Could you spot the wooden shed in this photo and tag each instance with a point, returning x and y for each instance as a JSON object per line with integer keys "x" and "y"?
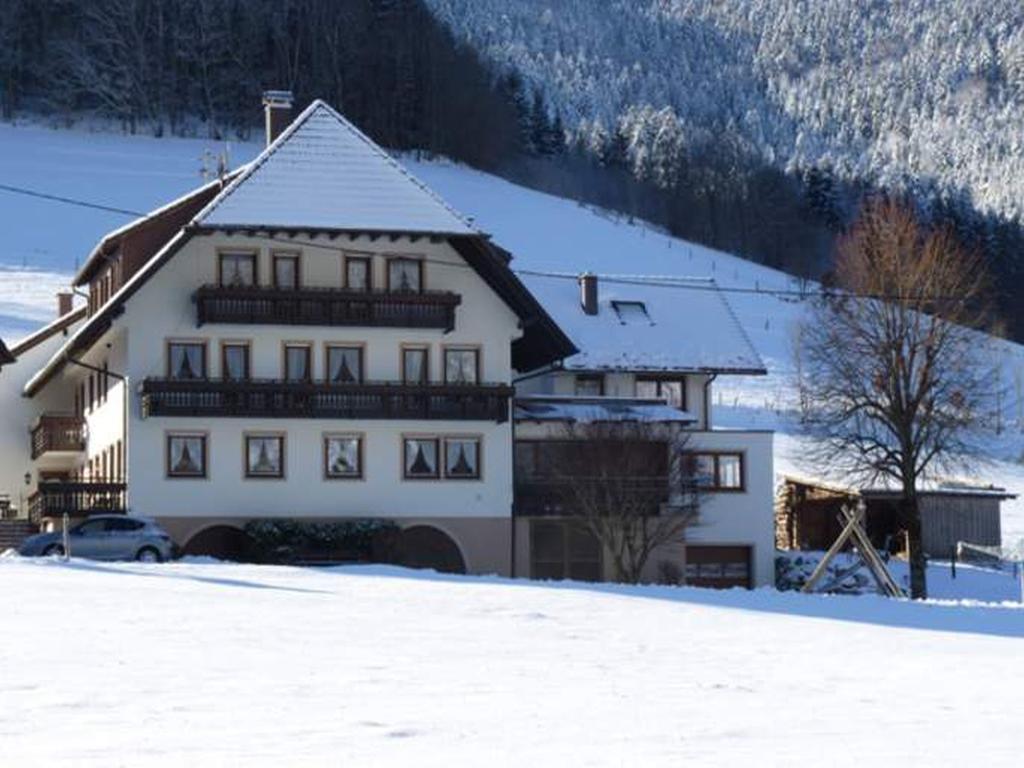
{"x": 806, "y": 515}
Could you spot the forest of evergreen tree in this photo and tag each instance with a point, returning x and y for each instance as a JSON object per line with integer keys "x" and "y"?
{"x": 198, "y": 67}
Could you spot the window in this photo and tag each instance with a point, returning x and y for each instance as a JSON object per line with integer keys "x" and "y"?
{"x": 632, "y": 312}
{"x": 91, "y": 528}
{"x": 235, "y": 361}
{"x": 344, "y": 364}
{"x": 186, "y": 455}
{"x": 672, "y": 391}
{"x": 186, "y": 360}
{"x": 237, "y": 270}
{"x": 462, "y": 458}
{"x": 405, "y": 275}
{"x": 716, "y": 471}
{"x": 298, "y": 362}
{"x": 357, "y": 273}
{"x": 286, "y": 271}
{"x": 462, "y": 366}
{"x": 124, "y": 525}
{"x": 560, "y": 550}
{"x": 420, "y": 458}
{"x": 264, "y": 456}
{"x": 589, "y": 384}
{"x": 343, "y": 457}
{"x": 415, "y": 368}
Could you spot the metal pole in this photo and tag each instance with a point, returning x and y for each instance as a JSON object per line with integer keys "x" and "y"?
{"x": 66, "y": 538}
{"x": 952, "y": 561}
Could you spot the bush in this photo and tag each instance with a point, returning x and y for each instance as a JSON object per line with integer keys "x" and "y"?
{"x": 285, "y": 540}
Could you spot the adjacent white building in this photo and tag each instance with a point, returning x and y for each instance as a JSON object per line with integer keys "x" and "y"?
{"x": 320, "y": 337}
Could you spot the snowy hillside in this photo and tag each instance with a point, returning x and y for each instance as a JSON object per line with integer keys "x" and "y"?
{"x": 921, "y": 94}
{"x": 216, "y": 664}
{"x": 545, "y": 233}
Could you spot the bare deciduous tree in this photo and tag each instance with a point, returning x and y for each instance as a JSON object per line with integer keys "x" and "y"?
{"x": 894, "y": 380}
{"x": 627, "y": 483}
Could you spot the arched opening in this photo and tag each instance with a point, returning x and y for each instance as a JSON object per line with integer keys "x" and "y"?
{"x": 224, "y": 542}
{"x": 424, "y": 546}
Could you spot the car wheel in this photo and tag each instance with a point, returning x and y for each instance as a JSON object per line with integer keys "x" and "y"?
{"x": 54, "y": 550}
{"x": 148, "y": 555}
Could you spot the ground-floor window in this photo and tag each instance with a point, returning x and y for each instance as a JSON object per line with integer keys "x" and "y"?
{"x": 264, "y": 456}
{"x": 186, "y": 455}
{"x": 561, "y": 549}
{"x": 718, "y": 566}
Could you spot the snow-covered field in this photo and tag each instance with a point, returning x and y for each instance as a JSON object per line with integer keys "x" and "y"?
{"x": 213, "y": 664}
{"x": 544, "y": 233}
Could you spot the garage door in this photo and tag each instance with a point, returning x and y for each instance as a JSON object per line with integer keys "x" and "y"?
{"x": 718, "y": 566}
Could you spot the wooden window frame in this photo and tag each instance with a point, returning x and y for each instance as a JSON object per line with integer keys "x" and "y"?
{"x": 368, "y": 260}
{"x": 403, "y": 348}
{"x": 659, "y": 379}
{"x": 204, "y": 436}
{"x": 716, "y": 455}
{"x": 436, "y": 439}
{"x": 360, "y": 437}
{"x": 252, "y": 252}
{"x": 204, "y": 343}
{"x": 295, "y": 256}
{"x": 358, "y": 345}
{"x": 476, "y": 349}
{"x": 247, "y": 345}
{"x": 479, "y": 440}
{"x": 587, "y": 376}
{"x": 388, "y": 260}
{"x": 285, "y": 345}
{"x": 280, "y": 436}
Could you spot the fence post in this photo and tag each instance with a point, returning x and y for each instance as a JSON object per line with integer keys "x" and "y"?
{"x": 952, "y": 560}
{"x": 65, "y": 538}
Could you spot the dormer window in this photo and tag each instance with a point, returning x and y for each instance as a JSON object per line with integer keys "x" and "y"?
{"x": 632, "y": 312}
{"x": 237, "y": 270}
{"x": 405, "y": 275}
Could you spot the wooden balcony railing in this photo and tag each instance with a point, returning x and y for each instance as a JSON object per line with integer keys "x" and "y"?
{"x": 326, "y": 306}
{"x": 323, "y": 400}
{"x": 76, "y": 499}
{"x": 58, "y": 433}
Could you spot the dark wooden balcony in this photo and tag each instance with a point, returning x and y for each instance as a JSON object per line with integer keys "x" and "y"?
{"x": 58, "y": 433}
{"x": 253, "y": 305}
{"x": 323, "y": 400}
{"x": 554, "y": 497}
{"x": 77, "y": 499}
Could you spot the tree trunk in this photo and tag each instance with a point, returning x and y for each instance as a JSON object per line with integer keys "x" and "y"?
{"x": 912, "y": 521}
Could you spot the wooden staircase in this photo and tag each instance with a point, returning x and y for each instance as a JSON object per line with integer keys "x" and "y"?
{"x": 13, "y": 532}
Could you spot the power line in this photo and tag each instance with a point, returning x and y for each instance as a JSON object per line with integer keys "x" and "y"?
{"x": 68, "y": 200}
{"x": 659, "y": 281}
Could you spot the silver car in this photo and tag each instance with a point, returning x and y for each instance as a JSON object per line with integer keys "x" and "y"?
{"x": 106, "y": 537}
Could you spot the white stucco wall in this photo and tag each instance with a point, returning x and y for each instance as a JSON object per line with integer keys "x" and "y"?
{"x": 18, "y": 414}
{"x": 741, "y": 517}
{"x": 163, "y": 310}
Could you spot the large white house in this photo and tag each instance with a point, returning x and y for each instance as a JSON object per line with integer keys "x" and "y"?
{"x": 318, "y": 336}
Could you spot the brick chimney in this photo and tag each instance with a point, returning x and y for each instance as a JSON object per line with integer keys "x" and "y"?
{"x": 64, "y": 302}
{"x": 588, "y": 292}
{"x": 277, "y": 106}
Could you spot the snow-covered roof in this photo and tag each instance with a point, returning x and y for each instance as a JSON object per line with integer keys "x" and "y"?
{"x": 323, "y": 173}
{"x": 938, "y": 486}
{"x": 585, "y": 410}
{"x": 685, "y": 324}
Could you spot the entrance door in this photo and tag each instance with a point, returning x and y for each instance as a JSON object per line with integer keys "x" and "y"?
{"x": 719, "y": 566}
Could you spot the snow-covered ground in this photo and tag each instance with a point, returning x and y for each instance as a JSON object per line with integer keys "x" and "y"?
{"x": 212, "y": 664}
{"x": 544, "y": 233}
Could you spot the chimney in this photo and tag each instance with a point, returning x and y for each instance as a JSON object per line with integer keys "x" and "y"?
{"x": 588, "y": 292}
{"x": 64, "y": 300}
{"x": 277, "y": 105}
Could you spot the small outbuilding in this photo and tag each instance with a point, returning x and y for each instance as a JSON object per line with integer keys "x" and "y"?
{"x": 807, "y": 515}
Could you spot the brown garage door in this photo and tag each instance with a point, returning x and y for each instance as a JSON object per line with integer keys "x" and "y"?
{"x": 711, "y": 566}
